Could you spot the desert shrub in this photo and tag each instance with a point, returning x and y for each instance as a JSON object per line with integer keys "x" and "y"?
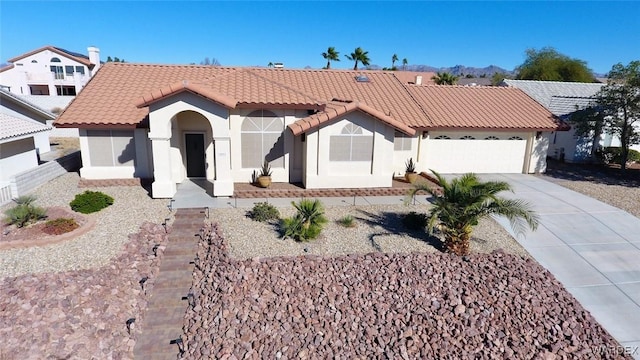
{"x": 414, "y": 220}
{"x": 307, "y": 223}
{"x": 60, "y": 226}
{"x": 90, "y": 201}
{"x": 24, "y": 212}
{"x": 613, "y": 155}
{"x": 263, "y": 211}
{"x": 347, "y": 221}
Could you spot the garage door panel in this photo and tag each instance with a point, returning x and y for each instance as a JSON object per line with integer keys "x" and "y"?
{"x": 479, "y": 156}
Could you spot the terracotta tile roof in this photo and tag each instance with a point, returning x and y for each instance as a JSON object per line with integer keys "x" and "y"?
{"x": 12, "y": 127}
{"x": 335, "y": 109}
{"x": 110, "y": 97}
{"x": 75, "y": 56}
{"x": 480, "y": 107}
{"x": 186, "y": 85}
{"x": 118, "y": 94}
{"x": 128, "y": 85}
{"x": 409, "y": 77}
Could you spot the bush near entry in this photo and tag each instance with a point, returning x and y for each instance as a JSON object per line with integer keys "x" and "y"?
{"x": 90, "y": 201}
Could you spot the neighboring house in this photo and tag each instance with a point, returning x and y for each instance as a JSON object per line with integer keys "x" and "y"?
{"x": 49, "y": 71}
{"x": 17, "y": 150}
{"x": 323, "y": 128}
{"x": 17, "y": 107}
{"x": 563, "y": 99}
{"x": 474, "y": 81}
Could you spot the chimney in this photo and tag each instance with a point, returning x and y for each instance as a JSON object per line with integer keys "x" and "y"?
{"x": 94, "y": 58}
{"x": 418, "y": 79}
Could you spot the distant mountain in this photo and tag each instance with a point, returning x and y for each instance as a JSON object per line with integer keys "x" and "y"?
{"x": 458, "y": 70}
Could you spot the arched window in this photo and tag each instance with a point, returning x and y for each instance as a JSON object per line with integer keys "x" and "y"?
{"x": 352, "y": 144}
{"x": 55, "y": 59}
{"x": 515, "y": 138}
{"x": 261, "y": 137}
{"x": 492, "y": 138}
{"x": 442, "y": 137}
{"x": 467, "y": 137}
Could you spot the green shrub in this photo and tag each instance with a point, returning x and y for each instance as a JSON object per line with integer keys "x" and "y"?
{"x": 90, "y": 201}
{"x": 613, "y": 155}
{"x": 347, "y": 221}
{"x": 60, "y": 226}
{"x": 263, "y": 211}
{"x": 307, "y": 223}
{"x": 24, "y": 212}
{"x": 415, "y": 221}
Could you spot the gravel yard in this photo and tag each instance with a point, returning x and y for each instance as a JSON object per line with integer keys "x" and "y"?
{"x": 378, "y": 228}
{"x": 131, "y": 208}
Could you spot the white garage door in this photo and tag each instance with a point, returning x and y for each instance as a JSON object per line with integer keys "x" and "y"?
{"x": 455, "y": 156}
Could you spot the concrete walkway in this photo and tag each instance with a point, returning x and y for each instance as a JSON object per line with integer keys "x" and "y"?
{"x": 591, "y": 247}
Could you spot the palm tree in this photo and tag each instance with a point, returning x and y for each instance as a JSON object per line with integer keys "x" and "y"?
{"x": 270, "y": 64}
{"x": 331, "y": 55}
{"x": 405, "y": 62}
{"x": 463, "y": 201}
{"x": 394, "y": 58}
{"x": 359, "y": 55}
{"x": 444, "y": 78}
{"x": 310, "y": 212}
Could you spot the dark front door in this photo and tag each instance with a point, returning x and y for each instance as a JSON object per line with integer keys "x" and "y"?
{"x": 194, "y": 143}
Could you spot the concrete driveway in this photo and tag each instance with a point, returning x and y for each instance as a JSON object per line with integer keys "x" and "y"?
{"x": 591, "y": 247}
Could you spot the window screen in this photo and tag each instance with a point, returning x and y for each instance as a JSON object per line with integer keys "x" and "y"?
{"x": 351, "y": 145}
{"x": 111, "y": 147}
{"x": 262, "y": 139}
{"x": 401, "y": 142}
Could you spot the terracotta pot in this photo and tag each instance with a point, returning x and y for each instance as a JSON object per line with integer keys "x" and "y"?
{"x": 411, "y": 177}
{"x": 264, "y": 181}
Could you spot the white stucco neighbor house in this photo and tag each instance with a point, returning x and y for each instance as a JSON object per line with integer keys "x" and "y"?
{"x": 321, "y": 128}
{"x": 563, "y": 99}
{"x": 49, "y": 71}
{"x": 16, "y": 107}
{"x": 17, "y": 150}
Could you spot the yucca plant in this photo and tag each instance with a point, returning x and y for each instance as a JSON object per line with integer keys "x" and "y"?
{"x": 465, "y": 200}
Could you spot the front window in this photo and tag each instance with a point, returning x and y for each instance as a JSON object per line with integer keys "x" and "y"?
{"x": 401, "y": 142}
{"x": 261, "y": 137}
{"x": 352, "y": 144}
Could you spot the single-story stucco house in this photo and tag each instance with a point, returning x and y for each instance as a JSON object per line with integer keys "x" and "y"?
{"x": 321, "y": 128}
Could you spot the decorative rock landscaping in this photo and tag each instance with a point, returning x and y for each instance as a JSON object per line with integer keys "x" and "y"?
{"x": 417, "y": 305}
{"x": 81, "y": 314}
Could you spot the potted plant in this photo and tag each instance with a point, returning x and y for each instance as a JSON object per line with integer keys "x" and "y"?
{"x": 410, "y": 171}
{"x": 264, "y": 177}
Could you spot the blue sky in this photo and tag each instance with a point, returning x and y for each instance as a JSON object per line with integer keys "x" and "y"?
{"x": 296, "y": 33}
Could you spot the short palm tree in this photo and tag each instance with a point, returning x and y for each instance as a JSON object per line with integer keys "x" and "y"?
{"x": 394, "y": 58}
{"x": 444, "y": 78}
{"x": 463, "y": 201}
{"x": 311, "y": 212}
{"x": 359, "y": 55}
{"x": 405, "y": 62}
{"x": 331, "y": 55}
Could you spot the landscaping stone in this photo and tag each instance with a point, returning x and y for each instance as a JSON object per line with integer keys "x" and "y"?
{"x": 418, "y": 305}
{"x": 81, "y": 314}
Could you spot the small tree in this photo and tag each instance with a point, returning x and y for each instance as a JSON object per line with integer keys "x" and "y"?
{"x": 464, "y": 201}
{"x": 547, "y": 64}
{"x": 620, "y": 103}
{"x": 405, "y": 62}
